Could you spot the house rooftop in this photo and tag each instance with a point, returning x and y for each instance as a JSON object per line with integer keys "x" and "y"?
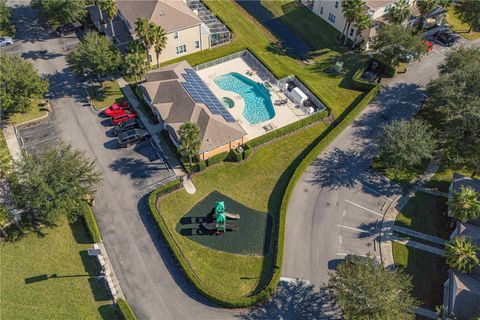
{"x": 171, "y": 15}
{"x": 466, "y": 304}
{"x": 165, "y": 87}
{"x": 375, "y": 4}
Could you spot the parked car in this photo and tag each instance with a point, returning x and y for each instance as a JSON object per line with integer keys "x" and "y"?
{"x": 116, "y": 108}
{"x": 5, "y": 41}
{"x": 129, "y": 137}
{"x": 127, "y": 115}
{"x": 69, "y": 28}
{"x": 125, "y": 126}
{"x": 447, "y": 37}
{"x": 429, "y": 44}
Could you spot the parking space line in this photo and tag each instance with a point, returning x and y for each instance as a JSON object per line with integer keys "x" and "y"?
{"x": 39, "y": 142}
{"x": 373, "y": 190}
{"x": 356, "y": 229}
{"x": 36, "y": 131}
{"x": 357, "y": 205}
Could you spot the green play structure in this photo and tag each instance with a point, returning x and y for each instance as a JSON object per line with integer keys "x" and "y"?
{"x": 221, "y": 224}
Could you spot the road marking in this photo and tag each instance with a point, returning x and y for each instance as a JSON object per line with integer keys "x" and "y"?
{"x": 356, "y": 229}
{"x": 36, "y": 131}
{"x": 344, "y": 213}
{"x": 291, "y": 280}
{"x": 36, "y": 143}
{"x": 373, "y": 190}
{"x": 374, "y": 212}
{"x": 340, "y": 239}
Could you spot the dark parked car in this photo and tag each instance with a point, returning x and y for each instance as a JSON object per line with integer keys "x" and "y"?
{"x": 69, "y": 28}
{"x": 125, "y": 126}
{"x": 446, "y": 37}
{"x": 129, "y": 137}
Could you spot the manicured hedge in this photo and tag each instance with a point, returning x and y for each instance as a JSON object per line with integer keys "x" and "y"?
{"x": 278, "y": 234}
{"x": 202, "y": 165}
{"x": 92, "y": 224}
{"x": 359, "y": 83}
{"x": 169, "y": 187}
{"x": 247, "y": 151}
{"x": 217, "y": 158}
{"x": 125, "y": 310}
{"x": 235, "y": 156}
{"x": 288, "y": 129}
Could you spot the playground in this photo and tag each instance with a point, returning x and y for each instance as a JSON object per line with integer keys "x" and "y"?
{"x": 223, "y": 224}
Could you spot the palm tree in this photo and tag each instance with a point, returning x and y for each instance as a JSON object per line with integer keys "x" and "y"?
{"x": 461, "y": 254}
{"x": 466, "y": 204}
{"x": 136, "y": 64}
{"x": 189, "y": 140}
{"x": 400, "y": 11}
{"x": 136, "y": 46}
{"x": 143, "y": 30}
{"x": 350, "y": 10}
{"x": 159, "y": 41}
{"x": 110, "y": 7}
{"x": 362, "y": 22}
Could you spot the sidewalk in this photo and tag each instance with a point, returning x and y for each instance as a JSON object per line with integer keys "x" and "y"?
{"x": 419, "y": 235}
{"x": 12, "y": 142}
{"x": 154, "y": 130}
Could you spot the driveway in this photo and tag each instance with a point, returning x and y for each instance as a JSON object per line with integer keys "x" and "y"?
{"x": 150, "y": 279}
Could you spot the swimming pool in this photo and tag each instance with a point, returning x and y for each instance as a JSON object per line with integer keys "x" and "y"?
{"x": 258, "y": 105}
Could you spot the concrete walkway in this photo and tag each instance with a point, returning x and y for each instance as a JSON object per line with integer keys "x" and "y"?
{"x": 419, "y": 235}
{"x": 418, "y": 245}
{"x": 12, "y": 142}
{"x": 154, "y": 129}
{"x": 435, "y": 192}
{"x": 189, "y": 187}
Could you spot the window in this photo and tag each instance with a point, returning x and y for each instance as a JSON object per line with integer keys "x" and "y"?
{"x": 175, "y": 35}
{"x": 351, "y": 32}
{"x": 336, "y": 4}
{"x": 321, "y": 10}
{"x": 331, "y": 17}
{"x": 197, "y": 44}
{"x": 181, "y": 49}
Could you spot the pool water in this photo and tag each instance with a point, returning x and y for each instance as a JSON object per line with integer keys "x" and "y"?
{"x": 258, "y": 105}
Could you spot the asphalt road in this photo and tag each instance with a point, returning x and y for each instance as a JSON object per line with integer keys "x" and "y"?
{"x": 151, "y": 281}
{"x": 337, "y": 205}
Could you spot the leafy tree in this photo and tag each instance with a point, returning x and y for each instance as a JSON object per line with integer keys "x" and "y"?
{"x": 406, "y": 144}
{"x": 425, "y": 6}
{"x": 363, "y": 289}
{"x": 460, "y": 59}
{"x": 55, "y": 182}
{"x": 362, "y": 23}
{"x": 159, "y": 41}
{"x": 394, "y": 44}
{"x": 21, "y": 84}
{"x": 136, "y": 64}
{"x": 466, "y": 204}
{"x": 400, "y": 11}
{"x": 350, "y": 10}
{"x": 95, "y": 55}
{"x": 60, "y": 12}
{"x": 468, "y": 11}
{"x": 110, "y": 7}
{"x": 4, "y": 15}
{"x": 189, "y": 140}
{"x": 461, "y": 254}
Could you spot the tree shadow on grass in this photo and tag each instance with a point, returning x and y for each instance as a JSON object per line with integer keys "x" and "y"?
{"x": 294, "y": 300}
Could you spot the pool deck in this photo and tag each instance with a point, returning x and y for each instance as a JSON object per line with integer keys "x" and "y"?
{"x": 284, "y": 114}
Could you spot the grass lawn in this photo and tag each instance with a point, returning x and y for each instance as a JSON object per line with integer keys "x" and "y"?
{"x": 459, "y": 27}
{"x": 333, "y": 90}
{"x": 425, "y": 213}
{"x": 259, "y": 184}
{"x": 106, "y": 96}
{"x": 428, "y": 272}
{"x": 36, "y": 112}
{"x": 402, "y": 177}
{"x": 73, "y": 294}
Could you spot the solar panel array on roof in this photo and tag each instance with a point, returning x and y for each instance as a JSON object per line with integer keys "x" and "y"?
{"x": 200, "y": 93}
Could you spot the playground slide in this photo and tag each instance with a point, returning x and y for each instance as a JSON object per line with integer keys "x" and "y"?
{"x": 233, "y": 216}
{"x": 213, "y": 226}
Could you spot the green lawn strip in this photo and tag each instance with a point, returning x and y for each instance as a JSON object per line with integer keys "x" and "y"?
{"x": 107, "y": 95}
{"x": 52, "y": 277}
{"x": 459, "y": 27}
{"x": 428, "y": 273}
{"x": 407, "y": 237}
{"x": 36, "y": 112}
{"x": 125, "y": 310}
{"x": 91, "y": 224}
{"x": 333, "y": 90}
{"x": 264, "y": 183}
{"x": 444, "y": 177}
{"x": 425, "y": 213}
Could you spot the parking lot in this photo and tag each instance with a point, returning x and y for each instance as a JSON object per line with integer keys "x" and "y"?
{"x": 37, "y": 135}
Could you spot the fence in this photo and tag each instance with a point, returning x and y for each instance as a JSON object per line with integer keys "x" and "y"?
{"x": 266, "y": 75}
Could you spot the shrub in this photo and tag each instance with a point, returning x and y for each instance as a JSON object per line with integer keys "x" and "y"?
{"x": 92, "y": 224}
{"x": 169, "y": 187}
{"x": 288, "y": 129}
{"x": 125, "y": 310}
{"x": 247, "y": 151}
{"x": 235, "y": 156}
{"x": 359, "y": 83}
{"x": 217, "y": 158}
{"x": 202, "y": 165}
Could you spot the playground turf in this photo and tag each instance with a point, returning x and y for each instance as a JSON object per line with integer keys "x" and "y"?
{"x": 252, "y": 234}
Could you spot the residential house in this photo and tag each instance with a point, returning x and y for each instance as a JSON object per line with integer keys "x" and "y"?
{"x": 176, "y": 94}
{"x": 189, "y": 28}
{"x": 461, "y": 297}
{"x": 331, "y": 11}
